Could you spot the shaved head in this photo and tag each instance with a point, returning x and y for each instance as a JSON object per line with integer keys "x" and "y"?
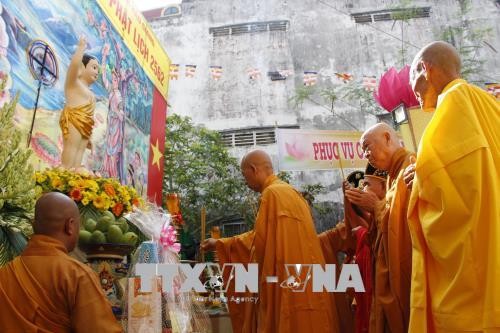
{"x": 258, "y": 157}
{"x": 379, "y": 129}
{"x": 434, "y": 66}
{"x": 379, "y": 144}
{"x": 256, "y": 166}
{"x": 57, "y": 216}
{"x": 441, "y": 55}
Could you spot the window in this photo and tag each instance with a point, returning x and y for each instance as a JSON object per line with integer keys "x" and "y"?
{"x": 391, "y": 14}
{"x": 171, "y": 10}
{"x": 252, "y": 27}
{"x": 249, "y": 137}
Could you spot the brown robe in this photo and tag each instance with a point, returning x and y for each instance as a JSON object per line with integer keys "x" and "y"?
{"x": 390, "y": 310}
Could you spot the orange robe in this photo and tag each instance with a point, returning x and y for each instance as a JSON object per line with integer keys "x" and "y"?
{"x": 332, "y": 242}
{"x": 284, "y": 233}
{"x": 45, "y": 290}
{"x": 390, "y": 311}
{"x": 455, "y": 216}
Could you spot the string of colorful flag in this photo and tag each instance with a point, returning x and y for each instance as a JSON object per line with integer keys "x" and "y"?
{"x": 310, "y": 78}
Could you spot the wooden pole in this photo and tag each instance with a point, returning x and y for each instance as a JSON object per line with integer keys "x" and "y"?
{"x": 203, "y": 230}
{"x": 340, "y": 164}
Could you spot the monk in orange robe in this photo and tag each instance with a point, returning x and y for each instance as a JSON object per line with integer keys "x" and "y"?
{"x": 454, "y": 210}
{"x": 333, "y": 242}
{"x": 373, "y": 181}
{"x": 392, "y": 248}
{"x": 44, "y": 289}
{"x": 340, "y": 240}
{"x": 284, "y": 233}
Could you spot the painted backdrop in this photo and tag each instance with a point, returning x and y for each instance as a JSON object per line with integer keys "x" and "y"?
{"x": 123, "y": 145}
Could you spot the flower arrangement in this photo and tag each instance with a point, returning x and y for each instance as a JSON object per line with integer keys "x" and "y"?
{"x": 88, "y": 190}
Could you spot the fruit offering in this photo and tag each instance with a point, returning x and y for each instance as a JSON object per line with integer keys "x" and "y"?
{"x": 107, "y": 229}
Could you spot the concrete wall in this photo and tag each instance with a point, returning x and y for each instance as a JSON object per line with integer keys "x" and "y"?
{"x": 321, "y": 36}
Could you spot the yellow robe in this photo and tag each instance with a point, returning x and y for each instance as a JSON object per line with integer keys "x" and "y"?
{"x": 45, "y": 290}
{"x": 390, "y": 309}
{"x": 454, "y": 216}
{"x": 82, "y": 117}
{"x": 284, "y": 233}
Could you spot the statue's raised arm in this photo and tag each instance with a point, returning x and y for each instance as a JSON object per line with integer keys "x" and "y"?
{"x": 77, "y": 117}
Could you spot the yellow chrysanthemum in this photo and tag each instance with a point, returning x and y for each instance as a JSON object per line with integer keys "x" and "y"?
{"x": 91, "y": 184}
{"x": 40, "y": 177}
{"x": 57, "y": 183}
{"x": 88, "y": 196}
{"x": 99, "y": 202}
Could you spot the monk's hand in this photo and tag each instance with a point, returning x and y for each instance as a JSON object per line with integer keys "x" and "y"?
{"x": 409, "y": 173}
{"x": 208, "y": 244}
{"x": 364, "y": 200}
{"x": 345, "y": 186}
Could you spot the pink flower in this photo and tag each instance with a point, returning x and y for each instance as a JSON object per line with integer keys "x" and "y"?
{"x": 168, "y": 239}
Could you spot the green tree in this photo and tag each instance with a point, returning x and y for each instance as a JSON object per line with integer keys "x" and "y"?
{"x": 467, "y": 37}
{"x": 329, "y": 95}
{"x": 355, "y": 95}
{"x": 16, "y": 186}
{"x": 201, "y": 170}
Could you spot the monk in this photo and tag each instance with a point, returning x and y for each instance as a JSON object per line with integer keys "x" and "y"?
{"x": 284, "y": 233}
{"x": 390, "y": 309}
{"x": 454, "y": 211}
{"x": 77, "y": 117}
{"x": 333, "y": 242}
{"x": 374, "y": 182}
{"x": 44, "y": 289}
{"x": 339, "y": 240}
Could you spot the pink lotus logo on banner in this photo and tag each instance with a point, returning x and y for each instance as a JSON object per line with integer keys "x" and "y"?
{"x": 295, "y": 151}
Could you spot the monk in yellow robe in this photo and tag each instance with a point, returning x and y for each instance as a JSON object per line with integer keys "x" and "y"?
{"x": 454, "y": 211}
{"x": 390, "y": 310}
{"x": 284, "y": 233}
{"x": 44, "y": 289}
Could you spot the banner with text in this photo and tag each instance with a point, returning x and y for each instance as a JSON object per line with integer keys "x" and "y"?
{"x": 301, "y": 150}
{"x": 140, "y": 39}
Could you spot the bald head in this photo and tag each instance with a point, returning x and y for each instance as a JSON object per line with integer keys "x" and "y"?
{"x": 57, "y": 216}
{"x": 434, "y": 66}
{"x": 256, "y": 166}
{"x": 441, "y": 55}
{"x": 380, "y": 142}
{"x": 258, "y": 157}
{"x": 380, "y": 129}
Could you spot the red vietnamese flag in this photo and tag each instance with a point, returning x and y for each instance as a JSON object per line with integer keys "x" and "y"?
{"x": 156, "y": 148}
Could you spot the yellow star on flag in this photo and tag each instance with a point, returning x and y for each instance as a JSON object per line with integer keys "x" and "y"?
{"x": 156, "y": 155}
